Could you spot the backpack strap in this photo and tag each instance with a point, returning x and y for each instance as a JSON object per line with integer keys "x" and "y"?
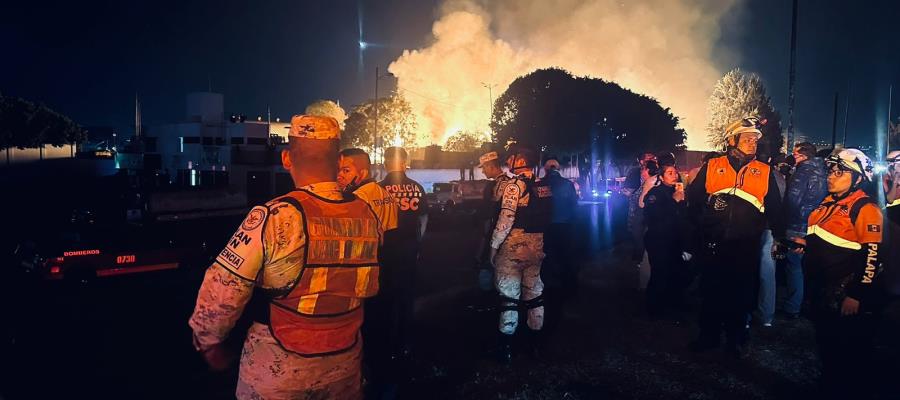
{"x": 855, "y": 209}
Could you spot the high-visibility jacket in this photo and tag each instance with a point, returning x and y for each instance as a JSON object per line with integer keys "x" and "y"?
{"x": 322, "y": 313}
{"x": 750, "y": 184}
{"x": 843, "y": 247}
{"x": 838, "y": 222}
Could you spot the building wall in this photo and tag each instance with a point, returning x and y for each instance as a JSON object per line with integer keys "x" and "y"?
{"x": 34, "y": 154}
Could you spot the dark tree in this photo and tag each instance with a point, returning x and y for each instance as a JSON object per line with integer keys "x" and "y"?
{"x": 24, "y": 124}
{"x": 567, "y": 115}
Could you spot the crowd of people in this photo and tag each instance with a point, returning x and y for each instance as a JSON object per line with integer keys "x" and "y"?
{"x": 736, "y": 217}
{"x": 303, "y": 265}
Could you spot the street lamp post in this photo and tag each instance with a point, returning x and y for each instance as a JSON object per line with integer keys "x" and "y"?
{"x": 378, "y": 77}
{"x": 490, "y": 88}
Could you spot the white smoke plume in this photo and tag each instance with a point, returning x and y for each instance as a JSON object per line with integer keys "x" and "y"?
{"x": 661, "y": 48}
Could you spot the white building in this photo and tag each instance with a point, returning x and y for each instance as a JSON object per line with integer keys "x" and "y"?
{"x": 210, "y": 149}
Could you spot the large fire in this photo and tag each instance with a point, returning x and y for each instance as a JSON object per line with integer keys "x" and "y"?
{"x": 662, "y": 48}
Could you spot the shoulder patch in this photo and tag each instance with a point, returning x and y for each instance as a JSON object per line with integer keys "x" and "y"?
{"x": 873, "y": 228}
{"x": 254, "y": 219}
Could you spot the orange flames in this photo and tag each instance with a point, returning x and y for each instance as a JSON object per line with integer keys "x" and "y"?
{"x": 662, "y": 48}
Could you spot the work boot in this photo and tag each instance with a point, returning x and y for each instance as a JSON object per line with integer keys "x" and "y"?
{"x": 504, "y": 349}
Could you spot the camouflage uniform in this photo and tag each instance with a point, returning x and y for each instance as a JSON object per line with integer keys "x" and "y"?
{"x": 518, "y": 261}
{"x": 267, "y": 252}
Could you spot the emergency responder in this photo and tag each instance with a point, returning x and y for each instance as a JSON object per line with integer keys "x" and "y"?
{"x": 487, "y": 215}
{"x": 842, "y": 265}
{"x": 307, "y": 301}
{"x": 355, "y": 176}
{"x": 517, "y": 248}
{"x": 730, "y": 201}
{"x": 401, "y": 248}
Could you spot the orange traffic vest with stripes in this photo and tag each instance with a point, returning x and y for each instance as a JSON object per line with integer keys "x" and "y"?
{"x": 750, "y": 184}
{"x": 833, "y": 223}
{"x": 322, "y": 314}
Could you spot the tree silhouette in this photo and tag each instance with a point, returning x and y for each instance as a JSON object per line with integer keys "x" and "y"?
{"x": 24, "y": 124}
{"x": 328, "y": 108}
{"x": 567, "y": 115}
{"x": 465, "y": 141}
{"x": 396, "y": 124}
{"x": 738, "y": 95}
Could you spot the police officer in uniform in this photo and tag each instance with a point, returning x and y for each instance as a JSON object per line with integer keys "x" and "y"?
{"x": 730, "y": 200}
{"x": 308, "y": 259}
{"x": 517, "y": 248}
{"x": 354, "y": 176}
{"x": 842, "y": 266}
{"x": 401, "y": 247}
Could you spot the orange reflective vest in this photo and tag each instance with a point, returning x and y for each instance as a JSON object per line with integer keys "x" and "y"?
{"x": 750, "y": 184}
{"x": 322, "y": 313}
{"x": 837, "y": 222}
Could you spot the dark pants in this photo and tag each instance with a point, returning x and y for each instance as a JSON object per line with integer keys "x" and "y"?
{"x": 387, "y": 329}
{"x": 729, "y": 285}
{"x": 558, "y": 266}
{"x": 845, "y": 349}
{"x": 667, "y": 273}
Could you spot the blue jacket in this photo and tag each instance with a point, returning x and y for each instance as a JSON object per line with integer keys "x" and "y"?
{"x": 805, "y": 190}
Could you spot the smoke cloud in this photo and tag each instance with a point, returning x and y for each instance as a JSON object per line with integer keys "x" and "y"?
{"x": 661, "y": 48}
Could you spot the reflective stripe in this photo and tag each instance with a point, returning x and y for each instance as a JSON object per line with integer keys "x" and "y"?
{"x": 745, "y": 196}
{"x": 894, "y": 203}
{"x": 832, "y": 238}
{"x": 362, "y": 281}
{"x": 307, "y": 304}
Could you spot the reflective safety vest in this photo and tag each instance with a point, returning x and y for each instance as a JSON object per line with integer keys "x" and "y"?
{"x": 750, "y": 184}
{"x": 835, "y": 221}
{"x": 322, "y": 313}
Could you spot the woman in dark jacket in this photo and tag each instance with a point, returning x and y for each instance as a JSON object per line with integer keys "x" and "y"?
{"x": 665, "y": 214}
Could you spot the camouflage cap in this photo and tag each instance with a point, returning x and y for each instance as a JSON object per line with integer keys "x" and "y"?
{"x": 314, "y": 127}
{"x": 486, "y": 157}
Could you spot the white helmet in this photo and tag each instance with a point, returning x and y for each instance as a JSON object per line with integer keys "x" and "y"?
{"x": 852, "y": 160}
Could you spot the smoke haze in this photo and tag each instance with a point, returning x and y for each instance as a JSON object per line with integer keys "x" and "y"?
{"x": 661, "y": 48}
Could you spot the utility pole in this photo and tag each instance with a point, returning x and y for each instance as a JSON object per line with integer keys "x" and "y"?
{"x": 846, "y": 114}
{"x": 792, "y": 76}
{"x": 834, "y": 121}
{"x": 376, "y": 116}
{"x": 490, "y": 88}
{"x": 887, "y": 143}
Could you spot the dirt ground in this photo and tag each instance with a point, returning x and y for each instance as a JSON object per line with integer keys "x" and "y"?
{"x": 128, "y": 337}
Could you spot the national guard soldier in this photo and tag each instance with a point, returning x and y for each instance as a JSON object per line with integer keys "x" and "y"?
{"x": 517, "y": 247}
{"x": 308, "y": 259}
{"x": 487, "y": 215}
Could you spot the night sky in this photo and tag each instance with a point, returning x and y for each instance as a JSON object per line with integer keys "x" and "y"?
{"x": 88, "y": 59}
